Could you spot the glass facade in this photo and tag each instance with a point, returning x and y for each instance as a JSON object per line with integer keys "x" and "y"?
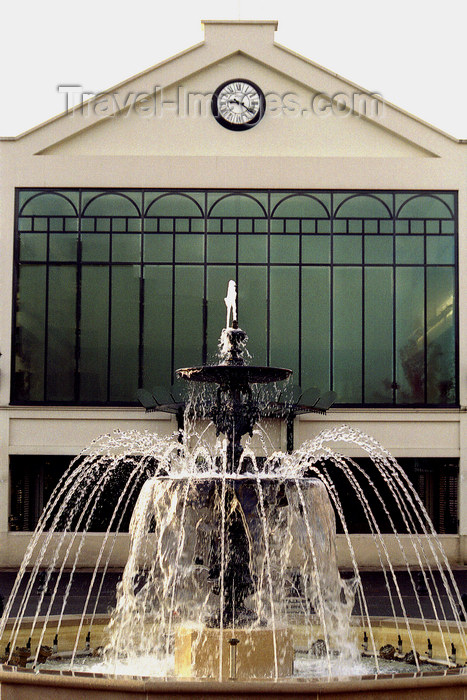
{"x": 354, "y": 291}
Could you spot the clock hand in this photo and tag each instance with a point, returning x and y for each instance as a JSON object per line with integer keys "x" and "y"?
{"x": 239, "y": 102}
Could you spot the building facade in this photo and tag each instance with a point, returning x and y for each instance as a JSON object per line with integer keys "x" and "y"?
{"x": 341, "y": 218}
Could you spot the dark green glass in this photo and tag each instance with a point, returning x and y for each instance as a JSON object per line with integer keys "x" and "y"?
{"x": 95, "y": 247}
{"x": 316, "y": 249}
{"x": 386, "y": 226}
{"x": 227, "y": 225}
{"x": 340, "y": 226}
{"x": 260, "y": 225}
{"x": 292, "y": 226}
{"x": 158, "y": 247}
{"x": 252, "y": 248}
{"x": 188, "y": 315}
{"x": 355, "y": 226}
{"x": 47, "y": 203}
{"x": 379, "y": 249}
{"x": 91, "y": 225}
{"x": 277, "y": 225}
{"x": 151, "y": 225}
{"x": 119, "y": 224}
{"x": 363, "y": 205}
{"x": 362, "y": 225}
{"x": 173, "y": 204}
{"x": 124, "y": 332}
{"x": 166, "y": 225}
{"x": 71, "y": 224}
{"x": 410, "y": 250}
{"x": 347, "y": 332}
{"x": 63, "y": 247}
{"x": 370, "y": 226}
{"x": 189, "y": 247}
{"x": 237, "y": 205}
{"x": 316, "y": 328}
{"x": 284, "y": 317}
{"x": 94, "y": 333}
{"x": 378, "y": 329}
{"x": 401, "y": 226}
{"x": 182, "y": 225}
{"x": 40, "y": 223}
{"x": 285, "y": 249}
{"x": 221, "y": 248}
{"x": 323, "y": 227}
{"x": 133, "y": 224}
{"x": 61, "y": 333}
{"x": 417, "y": 226}
{"x": 30, "y": 323}
{"x": 425, "y": 206}
{"x": 309, "y": 225}
{"x": 410, "y": 335}
{"x": 447, "y": 227}
{"x": 25, "y": 223}
{"x": 197, "y": 225}
{"x": 433, "y": 226}
{"x": 441, "y": 335}
{"x": 33, "y": 246}
{"x": 126, "y": 247}
{"x": 56, "y": 223}
{"x": 245, "y": 226}
{"x": 103, "y": 223}
{"x": 111, "y": 203}
{"x": 157, "y": 328}
{"x": 253, "y": 309}
{"x": 347, "y": 249}
{"x": 300, "y": 205}
{"x": 440, "y": 250}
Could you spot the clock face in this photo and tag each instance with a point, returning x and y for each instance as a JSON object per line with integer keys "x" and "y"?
{"x": 238, "y": 104}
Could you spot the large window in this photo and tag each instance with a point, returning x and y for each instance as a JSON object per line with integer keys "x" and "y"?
{"x": 354, "y": 291}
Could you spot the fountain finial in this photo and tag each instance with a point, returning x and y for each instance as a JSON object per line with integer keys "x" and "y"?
{"x": 231, "y": 304}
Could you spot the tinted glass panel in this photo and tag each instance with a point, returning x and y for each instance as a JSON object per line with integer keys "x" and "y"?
{"x": 157, "y": 362}
{"x": 284, "y": 317}
{"x": 124, "y": 332}
{"x": 347, "y": 307}
{"x": 253, "y": 309}
{"x": 94, "y": 341}
{"x": 188, "y": 315}
{"x": 378, "y": 314}
{"x": 315, "y": 324}
{"x": 441, "y": 368}
{"x": 410, "y": 334}
{"x": 30, "y": 321}
{"x": 61, "y": 333}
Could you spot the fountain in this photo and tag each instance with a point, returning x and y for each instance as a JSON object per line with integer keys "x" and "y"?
{"x": 232, "y": 571}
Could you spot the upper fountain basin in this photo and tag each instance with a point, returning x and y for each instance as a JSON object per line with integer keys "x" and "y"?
{"x": 239, "y": 375}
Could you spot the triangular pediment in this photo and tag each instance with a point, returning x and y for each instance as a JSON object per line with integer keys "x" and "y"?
{"x": 166, "y": 111}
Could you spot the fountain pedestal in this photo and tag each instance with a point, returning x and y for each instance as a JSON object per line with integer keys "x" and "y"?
{"x": 197, "y": 653}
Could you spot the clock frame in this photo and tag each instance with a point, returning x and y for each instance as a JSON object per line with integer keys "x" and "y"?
{"x": 238, "y": 104}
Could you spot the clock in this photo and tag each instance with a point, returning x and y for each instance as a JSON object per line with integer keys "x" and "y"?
{"x": 238, "y": 104}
